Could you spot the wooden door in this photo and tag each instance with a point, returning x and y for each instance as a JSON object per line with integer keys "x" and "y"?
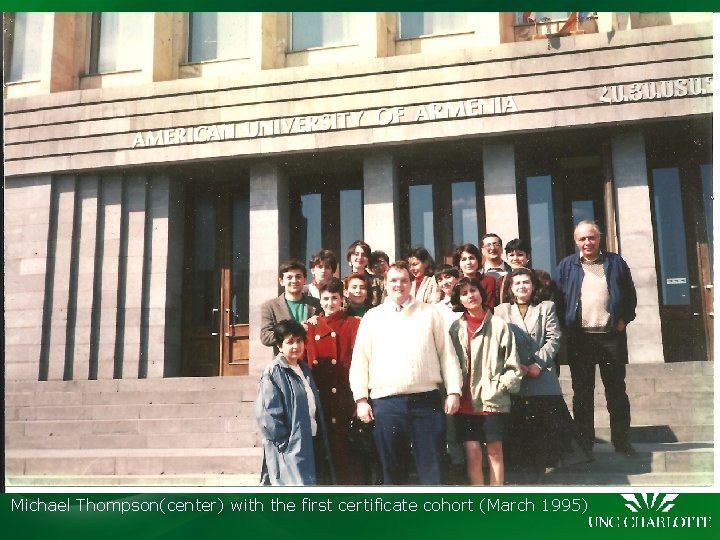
{"x": 215, "y": 290}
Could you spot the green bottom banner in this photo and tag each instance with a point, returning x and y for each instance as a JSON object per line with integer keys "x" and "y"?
{"x": 361, "y": 515}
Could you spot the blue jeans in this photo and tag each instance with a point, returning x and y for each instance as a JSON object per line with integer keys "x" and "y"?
{"x": 408, "y": 421}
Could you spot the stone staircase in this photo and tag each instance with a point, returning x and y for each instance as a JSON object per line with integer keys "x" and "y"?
{"x": 201, "y": 432}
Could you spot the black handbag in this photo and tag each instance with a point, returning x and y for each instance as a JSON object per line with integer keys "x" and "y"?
{"x": 360, "y": 436}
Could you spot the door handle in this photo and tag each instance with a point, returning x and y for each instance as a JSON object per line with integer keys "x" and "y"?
{"x": 709, "y": 286}
{"x": 696, "y": 314}
{"x": 214, "y": 322}
{"x": 694, "y": 286}
{"x": 711, "y": 314}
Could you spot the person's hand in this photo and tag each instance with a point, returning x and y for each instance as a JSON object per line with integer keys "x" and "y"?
{"x": 523, "y": 369}
{"x": 620, "y": 326}
{"x": 533, "y": 371}
{"x": 312, "y": 320}
{"x": 452, "y": 403}
{"x": 364, "y": 411}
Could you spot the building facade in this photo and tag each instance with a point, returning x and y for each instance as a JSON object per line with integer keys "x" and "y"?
{"x": 159, "y": 166}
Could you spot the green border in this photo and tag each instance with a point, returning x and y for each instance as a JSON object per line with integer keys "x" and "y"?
{"x": 327, "y": 5}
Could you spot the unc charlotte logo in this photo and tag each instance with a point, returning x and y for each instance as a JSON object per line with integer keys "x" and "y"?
{"x": 649, "y": 510}
{"x": 643, "y": 502}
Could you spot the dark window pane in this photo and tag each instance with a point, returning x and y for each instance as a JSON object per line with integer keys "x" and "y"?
{"x": 542, "y": 217}
{"x": 670, "y": 234}
{"x": 240, "y": 286}
{"x": 351, "y": 222}
{"x": 422, "y": 232}
{"x": 464, "y": 213}
{"x": 706, "y": 172}
{"x": 203, "y": 278}
{"x": 311, "y": 235}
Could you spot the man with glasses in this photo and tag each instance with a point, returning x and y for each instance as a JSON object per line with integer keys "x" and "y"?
{"x": 492, "y": 250}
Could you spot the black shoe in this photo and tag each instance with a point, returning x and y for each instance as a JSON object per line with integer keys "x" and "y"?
{"x": 626, "y": 448}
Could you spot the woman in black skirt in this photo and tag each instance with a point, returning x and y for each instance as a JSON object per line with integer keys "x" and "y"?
{"x": 542, "y": 433}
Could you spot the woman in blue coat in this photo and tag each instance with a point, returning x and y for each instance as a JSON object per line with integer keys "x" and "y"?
{"x": 287, "y": 409}
{"x": 542, "y": 433}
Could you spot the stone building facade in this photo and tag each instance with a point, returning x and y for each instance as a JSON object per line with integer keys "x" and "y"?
{"x": 151, "y": 188}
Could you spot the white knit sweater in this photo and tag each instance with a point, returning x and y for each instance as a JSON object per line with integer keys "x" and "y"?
{"x": 403, "y": 353}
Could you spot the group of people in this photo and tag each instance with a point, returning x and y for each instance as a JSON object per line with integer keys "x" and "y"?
{"x": 433, "y": 360}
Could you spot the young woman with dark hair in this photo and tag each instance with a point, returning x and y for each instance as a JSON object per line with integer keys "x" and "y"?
{"x": 542, "y": 433}
{"x": 486, "y": 349}
{"x": 422, "y": 267}
{"x": 469, "y": 260}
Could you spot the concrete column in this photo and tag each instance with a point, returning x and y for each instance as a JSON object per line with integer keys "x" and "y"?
{"x": 269, "y": 245}
{"x": 156, "y": 275}
{"x": 135, "y": 209}
{"x": 111, "y": 213}
{"x": 26, "y": 228}
{"x": 501, "y": 214}
{"x": 60, "y": 290}
{"x": 635, "y": 232}
{"x": 62, "y": 70}
{"x": 381, "y": 195}
{"x": 82, "y": 316}
{"x": 372, "y": 34}
{"x": 163, "y": 66}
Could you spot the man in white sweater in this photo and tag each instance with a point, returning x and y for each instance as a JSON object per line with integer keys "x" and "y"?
{"x": 402, "y": 358}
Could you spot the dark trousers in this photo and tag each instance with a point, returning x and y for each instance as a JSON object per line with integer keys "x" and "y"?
{"x": 609, "y": 351}
{"x": 408, "y": 421}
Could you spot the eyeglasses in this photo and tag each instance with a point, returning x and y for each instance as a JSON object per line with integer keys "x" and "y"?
{"x": 492, "y": 244}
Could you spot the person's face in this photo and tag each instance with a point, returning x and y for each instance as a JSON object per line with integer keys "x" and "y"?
{"x": 330, "y": 303}
{"x": 522, "y": 288}
{"x": 468, "y": 264}
{"x": 293, "y": 281}
{"x": 417, "y": 267}
{"x": 587, "y": 240}
{"x": 356, "y": 291}
{"x": 397, "y": 284}
{"x": 358, "y": 259}
{"x": 517, "y": 259}
{"x": 470, "y": 298}
{"x": 292, "y": 348}
{"x": 446, "y": 284}
{"x": 492, "y": 248}
{"x": 321, "y": 273}
{"x": 380, "y": 268}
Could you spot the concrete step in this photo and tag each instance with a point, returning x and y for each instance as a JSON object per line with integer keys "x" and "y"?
{"x": 669, "y": 383}
{"x": 654, "y": 464}
{"x": 164, "y": 461}
{"x": 663, "y": 433}
{"x": 124, "y": 412}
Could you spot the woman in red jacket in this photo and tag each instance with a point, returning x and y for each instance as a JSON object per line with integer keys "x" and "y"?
{"x": 330, "y": 343}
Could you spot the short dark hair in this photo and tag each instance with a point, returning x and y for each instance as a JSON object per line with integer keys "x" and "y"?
{"x": 292, "y": 264}
{"x": 446, "y": 270}
{"x": 536, "y": 296}
{"x": 490, "y": 235}
{"x": 364, "y": 245}
{"x": 375, "y": 257}
{"x": 455, "y": 296}
{"x": 423, "y": 255}
{"x": 332, "y": 285}
{"x": 358, "y": 275}
{"x": 288, "y": 327}
{"x": 516, "y": 244}
{"x": 324, "y": 256}
{"x": 470, "y": 248}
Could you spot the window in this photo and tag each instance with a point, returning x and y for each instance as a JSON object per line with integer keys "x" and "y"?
{"x": 27, "y": 31}
{"x": 117, "y": 41}
{"x": 330, "y": 219}
{"x": 532, "y": 17}
{"x": 419, "y": 23}
{"x": 442, "y": 210}
{"x": 541, "y": 216}
{"x": 321, "y": 29}
{"x": 217, "y": 36}
{"x": 670, "y": 237}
